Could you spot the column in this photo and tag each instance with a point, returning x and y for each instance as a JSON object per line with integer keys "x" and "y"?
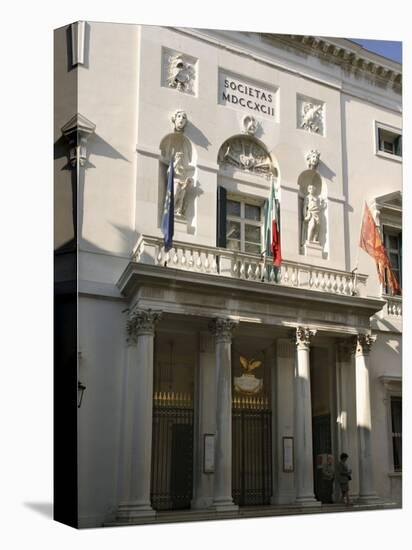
{"x": 303, "y": 420}
{"x": 205, "y": 421}
{"x": 138, "y": 416}
{"x": 282, "y": 420}
{"x": 346, "y": 414}
{"x": 363, "y": 417}
{"x": 222, "y": 330}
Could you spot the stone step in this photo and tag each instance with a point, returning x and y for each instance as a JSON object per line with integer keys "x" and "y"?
{"x": 173, "y": 516}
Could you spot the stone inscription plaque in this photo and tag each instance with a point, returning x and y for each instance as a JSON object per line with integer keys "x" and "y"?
{"x": 248, "y": 95}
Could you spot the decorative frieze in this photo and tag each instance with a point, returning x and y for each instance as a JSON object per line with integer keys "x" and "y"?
{"x": 304, "y": 336}
{"x": 179, "y": 71}
{"x": 141, "y": 321}
{"x": 222, "y": 328}
{"x": 363, "y": 343}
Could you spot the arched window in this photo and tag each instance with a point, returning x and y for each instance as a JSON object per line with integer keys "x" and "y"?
{"x": 246, "y": 170}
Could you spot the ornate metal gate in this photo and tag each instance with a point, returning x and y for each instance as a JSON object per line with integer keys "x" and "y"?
{"x": 252, "y": 451}
{"x": 172, "y": 455}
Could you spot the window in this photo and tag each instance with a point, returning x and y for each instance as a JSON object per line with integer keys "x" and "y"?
{"x": 243, "y": 226}
{"x": 388, "y": 141}
{"x": 396, "y": 427}
{"x": 392, "y": 238}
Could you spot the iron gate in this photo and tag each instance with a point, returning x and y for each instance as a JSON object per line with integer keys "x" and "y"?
{"x": 252, "y": 451}
{"x": 172, "y": 455}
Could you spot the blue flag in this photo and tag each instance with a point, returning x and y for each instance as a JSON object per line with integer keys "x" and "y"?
{"x": 168, "y": 209}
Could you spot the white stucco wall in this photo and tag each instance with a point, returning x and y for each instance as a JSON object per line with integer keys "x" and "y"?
{"x": 101, "y": 327}
{"x": 120, "y": 92}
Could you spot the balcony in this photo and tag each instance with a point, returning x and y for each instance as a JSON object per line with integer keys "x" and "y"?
{"x": 220, "y": 262}
{"x": 393, "y": 306}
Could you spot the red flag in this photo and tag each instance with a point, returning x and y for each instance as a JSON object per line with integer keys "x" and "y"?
{"x": 371, "y": 242}
{"x": 275, "y": 248}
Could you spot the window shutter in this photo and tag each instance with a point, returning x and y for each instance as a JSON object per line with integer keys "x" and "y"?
{"x": 221, "y": 217}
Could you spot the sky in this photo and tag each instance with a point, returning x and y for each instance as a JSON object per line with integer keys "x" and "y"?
{"x": 387, "y": 48}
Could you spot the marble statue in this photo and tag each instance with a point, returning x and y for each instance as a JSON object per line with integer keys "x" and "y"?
{"x": 182, "y": 184}
{"x": 311, "y": 216}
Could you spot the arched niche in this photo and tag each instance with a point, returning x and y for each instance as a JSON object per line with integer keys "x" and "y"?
{"x": 320, "y": 247}
{"x": 177, "y": 146}
{"x": 248, "y": 155}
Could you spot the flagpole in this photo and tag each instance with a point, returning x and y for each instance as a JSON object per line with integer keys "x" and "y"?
{"x": 355, "y": 269}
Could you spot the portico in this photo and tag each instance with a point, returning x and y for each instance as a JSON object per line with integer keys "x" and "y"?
{"x": 218, "y": 319}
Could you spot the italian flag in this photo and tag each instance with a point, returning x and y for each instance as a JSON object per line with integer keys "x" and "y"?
{"x": 272, "y": 228}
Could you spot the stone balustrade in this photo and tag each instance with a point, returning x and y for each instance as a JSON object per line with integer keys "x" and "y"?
{"x": 393, "y": 306}
{"x": 231, "y": 263}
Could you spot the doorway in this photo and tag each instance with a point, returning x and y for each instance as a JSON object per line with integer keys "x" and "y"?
{"x": 320, "y": 377}
{"x": 173, "y": 410}
{"x": 251, "y": 423}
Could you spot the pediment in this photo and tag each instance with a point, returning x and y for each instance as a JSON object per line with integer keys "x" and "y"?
{"x": 78, "y": 123}
{"x": 392, "y": 201}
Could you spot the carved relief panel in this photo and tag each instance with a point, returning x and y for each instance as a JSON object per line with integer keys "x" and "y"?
{"x": 179, "y": 71}
{"x": 311, "y": 115}
{"x": 247, "y": 154}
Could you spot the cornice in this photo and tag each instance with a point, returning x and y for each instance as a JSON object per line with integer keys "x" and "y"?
{"x": 348, "y": 55}
{"x": 285, "y": 53}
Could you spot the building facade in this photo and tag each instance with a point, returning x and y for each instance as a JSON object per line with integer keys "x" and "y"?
{"x": 215, "y": 381}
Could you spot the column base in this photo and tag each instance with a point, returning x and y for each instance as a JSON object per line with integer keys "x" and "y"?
{"x": 131, "y": 511}
{"x": 307, "y": 502}
{"x": 202, "y": 503}
{"x": 224, "y": 505}
{"x": 369, "y": 499}
{"x": 285, "y": 498}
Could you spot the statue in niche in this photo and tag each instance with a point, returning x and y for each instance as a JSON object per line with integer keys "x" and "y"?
{"x": 311, "y": 117}
{"x": 180, "y": 74}
{"x": 182, "y": 184}
{"x": 179, "y": 120}
{"x": 311, "y": 216}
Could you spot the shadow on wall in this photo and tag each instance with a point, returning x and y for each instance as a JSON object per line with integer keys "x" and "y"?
{"x": 129, "y": 236}
{"x": 197, "y": 136}
{"x": 96, "y": 145}
{"x": 326, "y": 172}
{"x": 43, "y": 508}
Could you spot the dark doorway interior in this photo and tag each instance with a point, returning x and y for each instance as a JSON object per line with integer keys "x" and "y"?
{"x": 251, "y": 422}
{"x": 172, "y": 443}
{"x": 321, "y": 425}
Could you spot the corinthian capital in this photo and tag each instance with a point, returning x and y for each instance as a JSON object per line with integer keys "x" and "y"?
{"x": 141, "y": 321}
{"x": 363, "y": 344}
{"x": 222, "y": 328}
{"x": 303, "y": 337}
